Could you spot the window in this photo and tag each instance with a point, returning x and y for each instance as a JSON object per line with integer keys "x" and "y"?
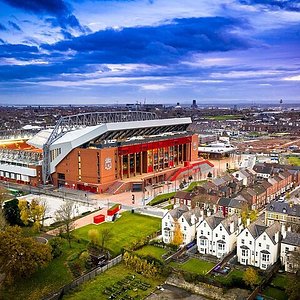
{"x": 259, "y": 244}
{"x": 264, "y": 237}
{"x": 208, "y": 233}
{"x": 166, "y": 223}
{"x": 244, "y": 252}
{"x": 202, "y": 242}
{"x": 201, "y": 232}
{"x": 204, "y": 224}
{"x": 246, "y": 233}
{"x": 250, "y": 243}
{"x": 220, "y": 228}
{"x": 221, "y": 247}
{"x": 184, "y": 228}
{"x": 243, "y": 241}
{"x": 265, "y": 257}
{"x": 223, "y": 237}
{"x": 216, "y": 235}
{"x": 268, "y": 247}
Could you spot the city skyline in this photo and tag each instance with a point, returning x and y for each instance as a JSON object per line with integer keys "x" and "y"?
{"x": 81, "y": 52}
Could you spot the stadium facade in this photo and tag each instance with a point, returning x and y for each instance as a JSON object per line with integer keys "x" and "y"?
{"x": 106, "y": 152}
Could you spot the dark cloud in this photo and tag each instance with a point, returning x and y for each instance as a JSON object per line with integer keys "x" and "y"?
{"x": 58, "y": 9}
{"x": 158, "y": 45}
{"x": 290, "y": 5}
{"x": 14, "y": 26}
{"x": 2, "y": 27}
{"x": 18, "y": 51}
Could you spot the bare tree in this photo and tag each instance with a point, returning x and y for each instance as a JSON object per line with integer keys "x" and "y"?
{"x": 105, "y": 236}
{"x": 3, "y": 222}
{"x": 44, "y": 203}
{"x": 65, "y": 215}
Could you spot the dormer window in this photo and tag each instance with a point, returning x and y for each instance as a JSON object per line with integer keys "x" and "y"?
{"x": 220, "y": 228}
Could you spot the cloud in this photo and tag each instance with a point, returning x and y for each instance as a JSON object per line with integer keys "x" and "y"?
{"x": 58, "y": 9}
{"x": 14, "y": 26}
{"x": 289, "y": 5}
{"x": 2, "y": 27}
{"x": 163, "y": 44}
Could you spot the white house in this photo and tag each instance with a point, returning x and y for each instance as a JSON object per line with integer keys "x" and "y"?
{"x": 290, "y": 243}
{"x": 245, "y": 176}
{"x": 188, "y": 223}
{"x": 168, "y": 222}
{"x": 258, "y": 245}
{"x": 217, "y": 235}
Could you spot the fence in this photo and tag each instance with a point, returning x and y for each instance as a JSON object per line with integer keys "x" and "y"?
{"x": 80, "y": 280}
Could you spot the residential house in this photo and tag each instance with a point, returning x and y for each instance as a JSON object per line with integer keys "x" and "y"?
{"x": 168, "y": 222}
{"x": 188, "y": 222}
{"x": 245, "y": 176}
{"x": 230, "y": 206}
{"x": 217, "y": 235}
{"x": 263, "y": 171}
{"x": 285, "y": 213}
{"x": 259, "y": 245}
{"x": 290, "y": 243}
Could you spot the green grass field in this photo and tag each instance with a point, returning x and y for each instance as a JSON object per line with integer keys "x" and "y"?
{"x": 126, "y": 230}
{"x": 46, "y": 280}
{"x": 293, "y": 160}
{"x": 94, "y": 289}
{"x": 275, "y": 293}
{"x": 194, "y": 265}
{"x": 280, "y": 281}
{"x": 161, "y": 198}
{"x": 226, "y": 279}
{"x": 224, "y": 117}
{"x": 153, "y": 251}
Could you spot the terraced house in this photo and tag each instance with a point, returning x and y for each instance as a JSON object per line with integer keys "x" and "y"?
{"x": 217, "y": 235}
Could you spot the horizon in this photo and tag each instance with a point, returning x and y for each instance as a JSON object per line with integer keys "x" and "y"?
{"x": 95, "y": 52}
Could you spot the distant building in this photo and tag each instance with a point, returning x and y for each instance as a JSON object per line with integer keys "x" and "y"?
{"x": 285, "y": 213}
{"x": 194, "y": 104}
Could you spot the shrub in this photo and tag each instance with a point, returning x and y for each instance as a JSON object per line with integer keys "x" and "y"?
{"x": 56, "y": 246}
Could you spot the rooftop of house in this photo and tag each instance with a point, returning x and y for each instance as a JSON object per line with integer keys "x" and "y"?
{"x": 177, "y": 212}
{"x": 291, "y": 238}
{"x": 290, "y": 209}
{"x": 197, "y": 212}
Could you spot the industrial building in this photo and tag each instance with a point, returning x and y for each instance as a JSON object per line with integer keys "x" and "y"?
{"x": 110, "y": 152}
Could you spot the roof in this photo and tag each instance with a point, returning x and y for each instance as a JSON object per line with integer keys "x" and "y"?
{"x": 263, "y": 169}
{"x": 214, "y": 220}
{"x": 184, "y": 195}
{"x": 291, "y": 238}
{"x": 176, "y": 213}
{"x": 40, "y": 138}
{"x": 224, "y": 201}
{"x": 197, "y": 212}
{"x": 257, "y": 228}
{"x": 284, "y": 208}
{"x": 226, "y": 223}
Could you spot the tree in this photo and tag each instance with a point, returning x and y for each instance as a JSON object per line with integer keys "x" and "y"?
{"x": 177, "y": 237}
{"x": 65, "y": 215}
{"x": 94, "y": 236}
{"x": 250, "y": 277}
{"x": 32, "y": 212}
{"x": 3, "y": 222}
{"x": 246, "y": 213}
{"x": 288, "y": 196}
{"x": 293, "y": 284}
{"x": 106, "y": 236}
{"x": 12, "y": 212}
{"x": 21, "y": 256}
{"x": 56, "y": 246}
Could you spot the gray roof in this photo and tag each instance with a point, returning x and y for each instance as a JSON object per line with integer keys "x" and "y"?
{"x": 188, "y": 215}
{"x": 292, "y": 238}
{"x": 226, "y": 223}
{"x": 214, "y": 220}
{"x": 177, "y": 212}
{"x": 224, "y": 201}
{"x": 257, "y": 228}
{"x": 218, "y": 181}
{"x": 284, "y": 208}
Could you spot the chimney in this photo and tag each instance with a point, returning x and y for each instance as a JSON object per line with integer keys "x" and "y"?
{"x": 208, "y": 213}
{"x": 247, "y": 222}
{"x": 289, "y": 228}
{"x": 283, "y": 231}
{"x": 231, "y": 227}
{"x": 277, "y": 237}
{"x": 239, "y": 221}
{"x": 193, "y": 219}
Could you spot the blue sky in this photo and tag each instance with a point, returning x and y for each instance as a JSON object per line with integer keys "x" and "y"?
{"x": 161, "y": 51}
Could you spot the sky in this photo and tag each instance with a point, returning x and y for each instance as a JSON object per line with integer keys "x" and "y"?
{"x": 152, "y": 51}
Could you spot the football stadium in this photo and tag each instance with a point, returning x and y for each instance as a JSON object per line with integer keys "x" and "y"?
{"x": 107, "y": 152}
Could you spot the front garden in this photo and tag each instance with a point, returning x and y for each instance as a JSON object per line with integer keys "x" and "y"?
{"x": 118, "y": 282}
